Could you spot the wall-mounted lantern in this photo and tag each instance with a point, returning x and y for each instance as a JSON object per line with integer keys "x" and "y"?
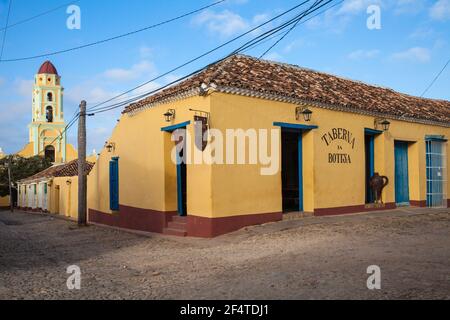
{"x": 305, "y": 112}
{"x": 110, "y": 146}
{"x": 384, "y": 124}
{"x": 169, "y": 115}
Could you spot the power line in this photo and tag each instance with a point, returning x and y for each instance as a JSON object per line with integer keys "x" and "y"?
{"x": 302, "y": 22}
{"x": 248, "y": 44}
{"x": 290, "y": 30}
{"x": 38, "y": 15}
{"x": 200, "y": 56}
{"x": 115, "y": 37}
{"x": 435, "y": 79}
{"x": 244, "y": 47}
{"x": 6, "y": 26}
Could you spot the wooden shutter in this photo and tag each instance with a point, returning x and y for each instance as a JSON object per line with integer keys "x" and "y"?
{"x": 114, "y": 184}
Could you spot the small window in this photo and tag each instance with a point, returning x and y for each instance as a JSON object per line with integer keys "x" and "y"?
{"x": 45, "y": 188}
{"x": 114, "y": 184}
{"x": 34, "y": 187}
{"x": 49, "y": 97}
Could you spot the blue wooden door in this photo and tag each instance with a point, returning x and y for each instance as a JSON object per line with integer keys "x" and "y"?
{"x": 401, "y": 173}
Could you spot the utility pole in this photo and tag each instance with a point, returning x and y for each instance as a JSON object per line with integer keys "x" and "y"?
{"x": 11, "y": 201}
{"x": 82, "y": 180}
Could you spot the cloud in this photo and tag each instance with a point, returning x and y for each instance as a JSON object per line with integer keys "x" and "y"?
{"x": 353, "y": 7}
{"x": 440, "y": 10}
{"x": 225, "y": 23}
{"x": 422, "y": 33}
{"x": 145, "y": 52}
{"x": 136, "y": 71}
{"x": 274, "y": 56}
{"x": 92, "y": 94}
{"x": 363, "y": 54}
{"x": 409, "y": 6}
{"x": 416, "y": 54}
{"x": 296, "y": 44}
{"x": 24, "y": 87}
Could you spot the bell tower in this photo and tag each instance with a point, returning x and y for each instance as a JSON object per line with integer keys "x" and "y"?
{"x": 47, "y": 125}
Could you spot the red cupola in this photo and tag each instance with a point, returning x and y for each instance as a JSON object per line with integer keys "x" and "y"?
{"x": 48, "y": 68}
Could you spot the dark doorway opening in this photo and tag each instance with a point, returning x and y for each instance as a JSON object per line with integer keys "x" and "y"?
{"x": 369, "y": 143}
{"x": 50, "y": 153}
{"x": 290, "y": 171}
{"x": 182, "y": 183}
{"x": 15, "y": 196}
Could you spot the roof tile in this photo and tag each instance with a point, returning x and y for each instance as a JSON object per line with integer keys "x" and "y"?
{"x": 289, "y": 81}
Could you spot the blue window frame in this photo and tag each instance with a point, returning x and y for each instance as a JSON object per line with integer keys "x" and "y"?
{"x": 114, "y": 184}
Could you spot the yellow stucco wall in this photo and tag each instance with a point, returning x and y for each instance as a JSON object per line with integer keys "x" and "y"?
{"x": 333, "y": 185}
{"x": 148, "y": 178}
{"x": 71, "y": 153}
{"x": 4, "y": 201}
{"x": 64, "y": 197}
{"x": 146, "y": 173}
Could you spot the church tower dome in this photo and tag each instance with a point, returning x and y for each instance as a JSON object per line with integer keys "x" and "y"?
{"x": 47, "y": 68}
{"x": 47, "y": 125}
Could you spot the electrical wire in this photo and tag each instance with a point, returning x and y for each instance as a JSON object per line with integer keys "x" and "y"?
{"x": 39, "y": 15}
{"x": 240, "y": 49}
{"x": 115, "y": 37}
{"x": 244, "y": 47}
{"x": 302, "y": 22}
{"x": 250, "y": 44}
{"x": 6, "y": 26}
{"x": 435, "y": 79}
{"x": 200, "y": 56}
{"x": 290, "y": 30}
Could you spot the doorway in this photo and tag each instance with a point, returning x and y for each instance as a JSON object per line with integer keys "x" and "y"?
{"x": 181, "y": 178}
{"x": 369, "y": 145}
{"x": 291, "y": 171}
{"x": 401, "y": 173}
{"x": 178, "y": 133}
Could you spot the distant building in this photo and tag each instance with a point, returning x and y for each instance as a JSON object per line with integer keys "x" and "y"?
{"x": 54, "y": 190}
{"x": 46, "y": 130}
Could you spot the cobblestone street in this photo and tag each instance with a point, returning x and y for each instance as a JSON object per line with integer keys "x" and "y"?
{"x": 308, "y": 258}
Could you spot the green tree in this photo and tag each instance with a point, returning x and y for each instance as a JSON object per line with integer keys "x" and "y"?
{"x": 21, "y": 168}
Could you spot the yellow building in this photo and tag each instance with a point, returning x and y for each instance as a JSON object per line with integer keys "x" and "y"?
{"x": 4, "y": 203}
{"x": 319, "y": 139}
{"x": 47, "y": 136}
{"x": 54, "y": 190}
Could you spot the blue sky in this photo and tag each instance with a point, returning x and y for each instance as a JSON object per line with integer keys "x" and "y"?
{"x": 405, "y": 54}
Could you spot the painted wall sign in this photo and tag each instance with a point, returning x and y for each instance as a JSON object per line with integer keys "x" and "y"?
{"x": 340, "y": 137}
{"x": 201, "y": 127}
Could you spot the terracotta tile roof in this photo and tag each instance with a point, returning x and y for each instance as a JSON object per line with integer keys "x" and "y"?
{"x": 250, "y": 76}
{"x": 69, "y": 169}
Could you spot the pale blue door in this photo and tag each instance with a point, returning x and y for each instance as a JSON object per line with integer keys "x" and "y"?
{"x": 401, "y": 173}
